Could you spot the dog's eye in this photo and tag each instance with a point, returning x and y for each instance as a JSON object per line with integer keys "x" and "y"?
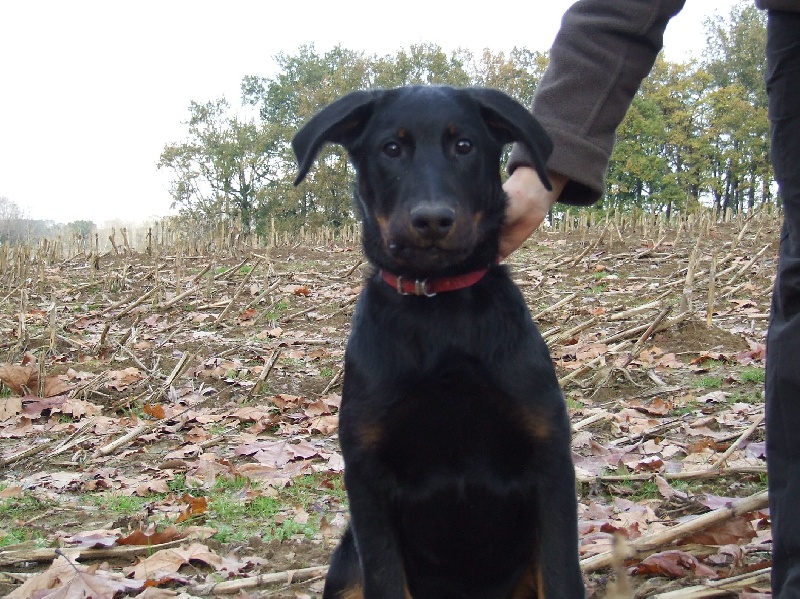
{"x": 464, "y": 146}
{"x": 392, "y": 149}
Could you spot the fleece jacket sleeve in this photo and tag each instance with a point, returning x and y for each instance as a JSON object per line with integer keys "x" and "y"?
{"x": 601, "y": 54}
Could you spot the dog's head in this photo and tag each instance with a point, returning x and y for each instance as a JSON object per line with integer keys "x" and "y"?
{"x": 427, "y": 161}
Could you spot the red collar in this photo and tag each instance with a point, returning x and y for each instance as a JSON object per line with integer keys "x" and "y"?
{"x": 430, "y": 287}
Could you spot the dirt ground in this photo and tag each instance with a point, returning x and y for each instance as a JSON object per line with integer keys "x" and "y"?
{"x": 171, "y": 419}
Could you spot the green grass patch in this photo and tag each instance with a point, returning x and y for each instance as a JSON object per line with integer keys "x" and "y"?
{"x": 648, "y": 489}
{"x": 179, "y": 486}
{"x": 574, "y": 404}
{"x": 235, "y": 483}
{"x": 708, "y": 382}
{"x": 278, "y": 310}
{"x": 218, "y": 428}
{"x": 13, "y": 536}
{"x": 749, "y": 395}
{"x": 123, "y": 504}
{"x": 752, "y": 375}
{"x": 15, "y": 512}
{"x": 238, "y": 518}
{"x": 599, "y": 288}
{"x": 21, "y": 508}
{"x": 305, "y": 490}
{"x": 685, "y": 408}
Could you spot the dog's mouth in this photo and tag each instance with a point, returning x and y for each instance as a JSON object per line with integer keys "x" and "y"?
{"x": 413, "y": 250}
{"x": 426, "y": 257}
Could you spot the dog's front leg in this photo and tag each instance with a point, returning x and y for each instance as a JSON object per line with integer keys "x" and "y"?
{"x": 383, "y": 574}
{"x": 558, "y": 564}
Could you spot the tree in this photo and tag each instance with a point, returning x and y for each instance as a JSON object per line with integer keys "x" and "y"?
{"x": 421, "y": 64}
{"x": 694, "y": 133}
{"x": 699, "y": 131}
{"x": 221, "y": 168}
{"x": 12, "y": 228}
{"x": 738, "y": 124}
{"x": 84, "y": 228}
{"x": 660, "y": 160}
{"x": 307, "y": 81}
{"x": 735, "y": 50}
{"x": 517, "y": 75}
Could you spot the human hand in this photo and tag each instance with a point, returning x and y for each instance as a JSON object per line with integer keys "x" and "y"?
{"x": 528, "y": 204}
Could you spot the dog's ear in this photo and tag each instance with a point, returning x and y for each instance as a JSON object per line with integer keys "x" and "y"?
{"x": 511, "y": 122}
{"x": 340, "y": 122}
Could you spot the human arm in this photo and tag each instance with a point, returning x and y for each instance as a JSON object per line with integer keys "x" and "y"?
{"x": 601, "y": 54}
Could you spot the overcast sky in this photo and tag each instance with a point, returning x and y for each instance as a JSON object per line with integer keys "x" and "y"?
{"x": 91, "y": 92}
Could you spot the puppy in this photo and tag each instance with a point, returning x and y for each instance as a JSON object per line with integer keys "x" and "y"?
{"x": 453, "y": 428}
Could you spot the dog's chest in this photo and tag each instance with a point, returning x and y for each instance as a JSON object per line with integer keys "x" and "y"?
{"x": 461, "y": 465}
{"x": 446, "y": 389}
{"x": 453, "y": 422}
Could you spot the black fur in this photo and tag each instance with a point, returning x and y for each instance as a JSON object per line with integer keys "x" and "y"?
{"x": 453, "y": 428}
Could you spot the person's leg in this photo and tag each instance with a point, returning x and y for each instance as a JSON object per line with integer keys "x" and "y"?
{"x": 783, "y": 338}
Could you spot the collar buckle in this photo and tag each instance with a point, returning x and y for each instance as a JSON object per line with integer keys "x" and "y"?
{"x": 420, "y": 288}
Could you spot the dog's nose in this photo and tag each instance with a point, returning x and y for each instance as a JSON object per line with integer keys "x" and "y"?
{"x": 432, "y": 221}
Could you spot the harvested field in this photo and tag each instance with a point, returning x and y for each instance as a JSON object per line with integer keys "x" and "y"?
{"x": 169, "y": 419}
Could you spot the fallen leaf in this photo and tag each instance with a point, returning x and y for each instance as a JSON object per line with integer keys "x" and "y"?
{"x": 278, "y": 454}
{"x": 79, "y": 408}
{"x": 326, "y": 425}
{"x": 94, "y": 538}
{"x": 248, "y": 314}
{"x": 673, "y": 564}
{"x": 34, "y": 406}
{"x": 140, "y": 537}
{"x": 316, "y": 408}
{"x": 11, "y": 492}
{"x": 195, "y": 507}
{"x": 20, "y": 379}
{"x": 154, "y": 410}
{"x": 166, "y": 562}
{"x": 151, "y": 486}
{"x": 122, "y": 379}
{"x": 666, "y": 490}
{"x": 734, "y": 531}
{"x": 67, "y": 580}
{"x": 10, "y": 407}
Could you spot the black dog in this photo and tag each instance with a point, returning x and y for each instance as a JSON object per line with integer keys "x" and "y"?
{"x": 453, "y": 428}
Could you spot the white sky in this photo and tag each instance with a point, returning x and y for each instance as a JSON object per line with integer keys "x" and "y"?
{"x": 91, "y": 92}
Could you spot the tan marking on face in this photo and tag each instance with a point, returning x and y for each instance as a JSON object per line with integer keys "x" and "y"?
{"x": 402, "y": 134}
{"x": 383, "y": 226}
{"x": 452, "y": 130}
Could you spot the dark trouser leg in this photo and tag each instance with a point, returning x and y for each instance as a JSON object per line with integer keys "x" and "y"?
{"x": 783, "y": 338}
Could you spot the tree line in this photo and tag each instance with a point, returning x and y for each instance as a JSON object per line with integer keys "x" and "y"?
{"x": 17, "y": 228}
{"x": 696, "y": 133}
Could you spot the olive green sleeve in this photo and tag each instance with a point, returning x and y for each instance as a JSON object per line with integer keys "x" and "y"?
{"x": 601, "y": 54}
